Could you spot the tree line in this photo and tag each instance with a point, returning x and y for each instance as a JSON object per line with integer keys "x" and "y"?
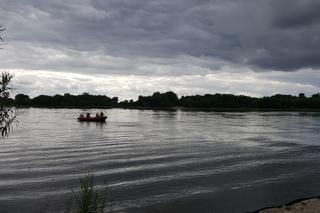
{"x": 169, "y": 100}
{"x": 66, "y": 100}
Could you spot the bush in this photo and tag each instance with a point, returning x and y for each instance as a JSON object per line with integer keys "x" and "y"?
{"x": 90, "y": 198}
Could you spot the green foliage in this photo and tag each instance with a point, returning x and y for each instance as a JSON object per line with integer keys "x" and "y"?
{"x": 22, "y": 100}
{"x": 218, "y": 101}
{"x": 277, "y": 101}
{"x": 7, "y": 113}
{"x": 66, "y": 100}
{"x": 168, "y": 99}
{"x": 91, "y": 199}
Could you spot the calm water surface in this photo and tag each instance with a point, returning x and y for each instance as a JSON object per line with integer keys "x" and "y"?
{"x": 162, "y": 161}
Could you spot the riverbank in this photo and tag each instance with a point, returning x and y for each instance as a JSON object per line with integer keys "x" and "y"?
{"x": 213, "y": 102}
{"x": 208, "y": 109}
{"x": 182, "y": 109}
{"x": 310, "y": 205}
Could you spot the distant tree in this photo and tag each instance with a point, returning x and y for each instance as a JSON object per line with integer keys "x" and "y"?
{"x": 168, "y": 99}
{"x": 7, "y": 112}
{"x": 317, "y": 95}
{"x": 115, "y": 100}
{"x": 22, "y": 100}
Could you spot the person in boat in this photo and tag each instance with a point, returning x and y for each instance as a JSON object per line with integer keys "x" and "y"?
{"x": 101, "y": 114}
{"x": 81, "y": 115}
{"x": 97, "y": 115}
{"x": 88, "y": 115}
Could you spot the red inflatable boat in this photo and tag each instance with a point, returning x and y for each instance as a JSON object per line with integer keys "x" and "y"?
{"x": 93, "y": 119}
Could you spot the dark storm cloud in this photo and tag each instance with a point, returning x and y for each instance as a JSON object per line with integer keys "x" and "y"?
{"x": 268, "y": 34}
{"x": 291, "y": 14}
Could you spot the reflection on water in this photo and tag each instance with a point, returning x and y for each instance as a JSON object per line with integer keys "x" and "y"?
{"x": 162, "y": 161}
{"x": 95, "y": 124}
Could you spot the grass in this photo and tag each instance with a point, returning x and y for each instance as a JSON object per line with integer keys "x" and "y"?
{"x": 91, "y": 199}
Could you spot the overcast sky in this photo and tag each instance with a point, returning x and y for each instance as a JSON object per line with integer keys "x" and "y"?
{"x": 129, "y": 47}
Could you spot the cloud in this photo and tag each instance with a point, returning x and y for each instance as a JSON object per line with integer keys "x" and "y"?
{"x": 162, "y": 38}
{"x": 130, "y": 86}
{"x": 293, "y": 14}
{"x": 281, "y": 35}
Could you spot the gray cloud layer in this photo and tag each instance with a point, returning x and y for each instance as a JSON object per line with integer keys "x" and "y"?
{"x": 267, "y": 34}
{"x": 131, "y": 47}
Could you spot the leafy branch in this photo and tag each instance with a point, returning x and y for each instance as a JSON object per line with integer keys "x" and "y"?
{"x": 7, "y": 113}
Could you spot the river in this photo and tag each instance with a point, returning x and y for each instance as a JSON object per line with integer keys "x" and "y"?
{"x": 161, "y": 161}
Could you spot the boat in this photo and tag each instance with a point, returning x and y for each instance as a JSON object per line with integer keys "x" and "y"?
{"x": 93, "y": 119}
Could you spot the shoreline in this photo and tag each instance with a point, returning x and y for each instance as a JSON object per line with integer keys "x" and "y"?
{"x": 304, "y": 205}
{"x": 182, "y": 109}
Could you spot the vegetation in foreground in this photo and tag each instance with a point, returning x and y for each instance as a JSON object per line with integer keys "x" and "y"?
{"x": 170, "y": 100}
{"x": 7, "y": 113}
{"x": 91, "y": 199}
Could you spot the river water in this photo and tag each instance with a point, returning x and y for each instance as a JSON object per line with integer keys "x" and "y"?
{"x": 161, "y": 161}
